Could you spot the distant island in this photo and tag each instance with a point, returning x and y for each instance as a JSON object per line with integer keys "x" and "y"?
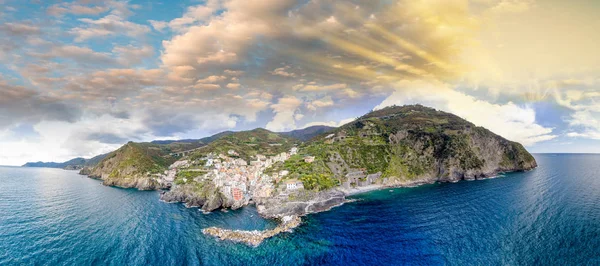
{"x": 73, "y": 164}
{"x": 289, "y": 175}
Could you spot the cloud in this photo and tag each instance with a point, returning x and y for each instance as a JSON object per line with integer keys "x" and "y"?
{"x": 195, "y": 14}
{"x": 330, "y": 123}
{"x": 284, "y": 118}
{"x": 19, "y": 104}
{"x": 19, "y": 29}
{"x": 320, "y": 103}
{"x": 588, "y": 123}
{"x": 82, "y": 55}
{"x": 202, "y": 86}
{"x": 312, "y": 87}
{"x": 212, "y": 79}
{"x": 75, "y": 9}
{"x": 108, "y": 138}
{"x": 239, "y": 64}
{"x": 282, "y": 71}
{"x": 103, "y": 89}
{"x": 132, "y": 55}
{"x": 110, "y": 25}
{"x": 158, "y": 25}
{"x": 224, "y": 40}
{"x": 233, "y": 86}
{"x": 512, "y": 6}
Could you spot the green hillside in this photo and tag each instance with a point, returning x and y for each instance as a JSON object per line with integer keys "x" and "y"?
{"x": 410, "y": 144}
{"x": 248, "y": 143}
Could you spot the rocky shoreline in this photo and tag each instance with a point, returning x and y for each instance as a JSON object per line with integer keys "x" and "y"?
{"x": 291, "y": 220}
{"x": 255, "y": 237}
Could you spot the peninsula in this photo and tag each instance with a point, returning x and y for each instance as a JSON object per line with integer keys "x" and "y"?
{"x": 290, "y": 175}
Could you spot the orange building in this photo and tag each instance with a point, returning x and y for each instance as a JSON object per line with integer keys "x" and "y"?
{"x": 237, "y": 194}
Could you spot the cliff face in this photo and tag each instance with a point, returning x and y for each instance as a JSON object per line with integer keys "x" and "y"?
{"x": 204, "y": 195}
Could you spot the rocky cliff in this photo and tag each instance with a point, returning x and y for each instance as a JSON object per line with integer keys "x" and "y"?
{"x": 201, "y": 194}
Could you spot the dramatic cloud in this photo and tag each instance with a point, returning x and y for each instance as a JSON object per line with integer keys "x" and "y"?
{"x": 19, "y": 104}
{"x": 285, "y": 110}
{"x": 90, "y": 75}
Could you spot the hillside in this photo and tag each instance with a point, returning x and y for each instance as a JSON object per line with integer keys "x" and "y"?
{"x": 139, "y": 164}
{"x": 73, "y": 164}
{"x": 248, "y": 143}
{"x": 135, "y": 164}
{"x": 205, "y": 140}
{"x": 411, "y": 144}
{"x": 308, "y": 133}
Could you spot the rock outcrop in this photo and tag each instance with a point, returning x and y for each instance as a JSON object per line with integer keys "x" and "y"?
{"x": 203, "y": 195}
{"x": 278, "y": 207}
{"x": 253, "y": 238}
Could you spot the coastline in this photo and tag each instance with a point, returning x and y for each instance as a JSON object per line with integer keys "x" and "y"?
{"x": 374, "y": 187}
{"x": 361, "y": 190}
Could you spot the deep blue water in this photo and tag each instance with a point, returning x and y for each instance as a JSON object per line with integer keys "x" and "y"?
{"x": 548, "y": 216}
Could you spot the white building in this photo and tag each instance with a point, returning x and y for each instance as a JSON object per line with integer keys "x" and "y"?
{"x": 309, "y": 159}
{"x": 293, "y": 185}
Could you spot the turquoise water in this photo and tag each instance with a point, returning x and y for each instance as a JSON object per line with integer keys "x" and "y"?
{"x": 548, "y": 216}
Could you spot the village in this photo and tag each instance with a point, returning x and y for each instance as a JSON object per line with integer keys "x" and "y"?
{"x": 236, "y": 178}
{"x": 261, "y": 177}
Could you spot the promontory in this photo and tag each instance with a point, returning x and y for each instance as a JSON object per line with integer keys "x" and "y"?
{"x": 291, "y": 174}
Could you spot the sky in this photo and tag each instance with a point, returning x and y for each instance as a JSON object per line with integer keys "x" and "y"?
{"x": 81, "y": 78}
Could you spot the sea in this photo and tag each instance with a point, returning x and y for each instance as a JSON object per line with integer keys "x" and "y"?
{"x": 547, "y": 216}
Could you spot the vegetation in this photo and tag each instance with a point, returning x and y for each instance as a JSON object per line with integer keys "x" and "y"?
{"x": 405, "y": 142}
{"x": 183, "y": 177}
{"x": 133, "y": 159}
{"x": 140, "y": 159}
{"x": 318, "y": 181}
{"x": 248, "y": 144}
{"x": 314, "y": 176}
